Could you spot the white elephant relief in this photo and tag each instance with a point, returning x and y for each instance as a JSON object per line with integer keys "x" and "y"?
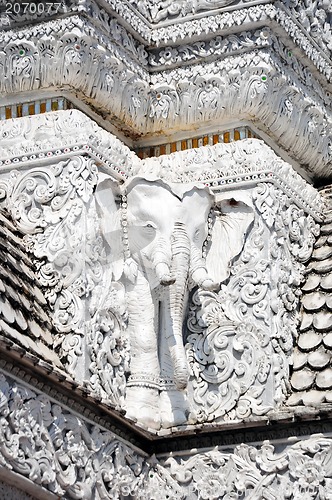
{"x": 158, "y": 235}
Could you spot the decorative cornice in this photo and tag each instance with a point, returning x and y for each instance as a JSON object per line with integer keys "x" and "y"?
{"x": 204, "y": 82}
{"x": 57, "y": 135}
{"x": 294, "y": 22}
{"x": 248, "y": 85}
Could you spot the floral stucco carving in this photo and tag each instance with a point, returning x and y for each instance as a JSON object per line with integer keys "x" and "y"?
{"x": 61, "y": 452}
{"x": 107, "y": 264}
{"x": 68, "y": 456}
{"x": 247, "y": 322}
{"x": 279, "y": 471}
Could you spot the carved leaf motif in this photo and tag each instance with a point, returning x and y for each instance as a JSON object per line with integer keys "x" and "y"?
{"x": 67, "y": 456}
{"x": 54, "y": 207}
{"x": 262, "y": 290}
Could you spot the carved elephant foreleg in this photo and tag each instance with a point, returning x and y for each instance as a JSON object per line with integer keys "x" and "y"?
{"x": 142, "y": 396}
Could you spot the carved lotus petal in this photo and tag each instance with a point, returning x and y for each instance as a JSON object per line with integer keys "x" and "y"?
{"x": 20, "y": 320}
{"x": 326, "y": 282}
{"x": 300, "y": 359}
{"x": 309, "y": 340}
{"x": 312, "y": 282}
{"x": 320, "y": 242}
{"x": 328, "y": 340}
{"x": 313, "y": 398}
{"x": 306, "y": 321}
{"x": 7, "y": 310}
{"x": 327, "y": 229}
{"x": 323, "y": 252}
{"x": 324, "y": 379}
{"x": 313, "y": 301}
{"x": 319, "y": 359}
{"x": 295, "y": 399}
{"x": 35, "y": 329}
{"x": 323, "y": 266}
{"x": 329, "y": 301}
{"x": 302, "y": 380}
{"x": 323, "y": 321}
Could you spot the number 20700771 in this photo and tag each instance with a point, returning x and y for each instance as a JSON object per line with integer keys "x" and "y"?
{"x": 32, "y": 7}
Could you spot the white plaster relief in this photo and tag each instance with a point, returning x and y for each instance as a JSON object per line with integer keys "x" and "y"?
{"x": 73, "y": 52}
{"x": 301, "y": 469}
{"x": 180, "y": 8}
{"x": 148, "y": 104}
{"x": 108, "y": 24}
{"x": 56, "y": 135}
{"x": 230, "y": 88}
{"x": 316, "y": 20}
{"x": 240, "y": 340}
{"x": 217, "y": 47}
{"x": 74, "y": 459}
{"x": 104, "y": 259}
{"x": 61, "y": 452}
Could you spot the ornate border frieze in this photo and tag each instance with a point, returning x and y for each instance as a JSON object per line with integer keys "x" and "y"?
{"x": 60, "y": 134}
{"x": 72, "y": 52}
{"x": 239, "y": 86}
{"x": 62, "y": 452}
{"x": 56, "y": 135}
{"x": 13, "y": 14}
{"x": 66, "y": 455}
{"x": 282, "y": 470}
{"x": 82, "y": 34}
{"x": 220, "y": 46}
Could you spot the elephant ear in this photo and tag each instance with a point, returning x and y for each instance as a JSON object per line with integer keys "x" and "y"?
{"x": 234, "y": 214}
{"x": 107, "y": 197}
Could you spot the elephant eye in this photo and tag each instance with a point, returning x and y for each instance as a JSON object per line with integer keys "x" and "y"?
{"x": 150, "y": 226}
{"x": 197, "y": 234}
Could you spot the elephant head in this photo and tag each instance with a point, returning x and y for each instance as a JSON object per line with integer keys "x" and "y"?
{"x": 156, "y": 237}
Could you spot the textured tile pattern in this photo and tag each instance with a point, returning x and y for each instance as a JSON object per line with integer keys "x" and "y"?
{"x": 24, "y": 315}
{"x": 312, "y": 370}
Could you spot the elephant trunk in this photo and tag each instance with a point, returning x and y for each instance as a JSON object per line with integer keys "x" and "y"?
{"x": 177, "y": 294}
